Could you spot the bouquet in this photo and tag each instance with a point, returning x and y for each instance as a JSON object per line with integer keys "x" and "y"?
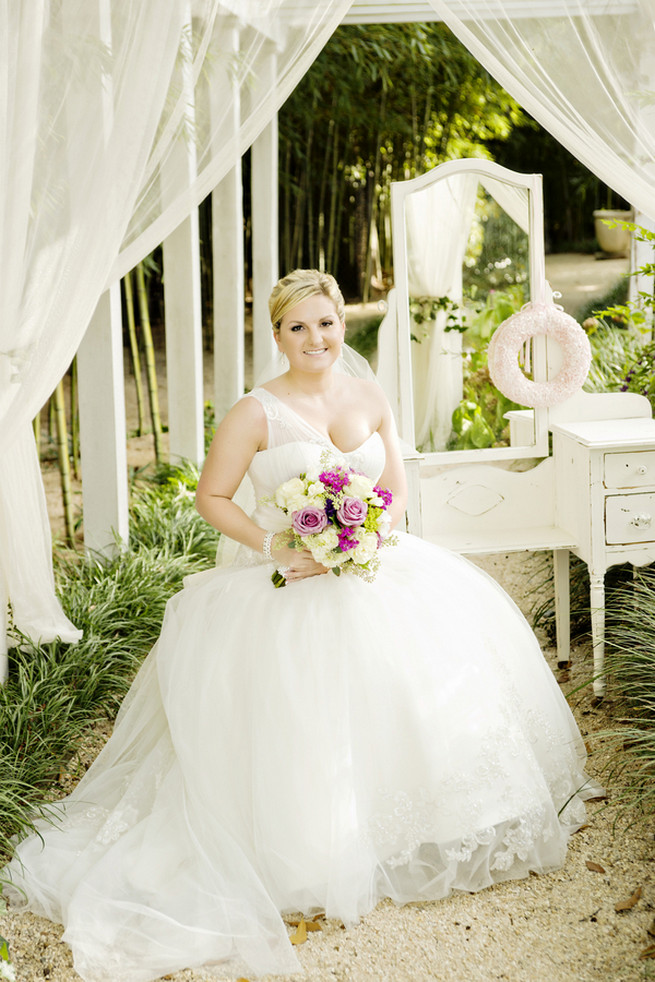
{"x": 341, "y": 516}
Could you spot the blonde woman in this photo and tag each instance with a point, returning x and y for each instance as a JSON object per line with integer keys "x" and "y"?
{"x": 317, "y": 747}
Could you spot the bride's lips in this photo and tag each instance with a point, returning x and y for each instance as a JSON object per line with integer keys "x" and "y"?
{"x": 315, "y": 351}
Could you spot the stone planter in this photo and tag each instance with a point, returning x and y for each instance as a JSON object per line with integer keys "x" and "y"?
{"x": 613, "y": 241}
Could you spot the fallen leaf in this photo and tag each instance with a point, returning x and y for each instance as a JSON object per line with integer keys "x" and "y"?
{"x": 629, "y": 903}
{"x": 651, "y": 930}
{"x": 564, "y": 676}
{"x": 594, "y": 867}
{"x": 597, "y": 797}
{"x": 299, "y": 936}
{"x": 648, "y": 952}
{"x": 313, "y": 926}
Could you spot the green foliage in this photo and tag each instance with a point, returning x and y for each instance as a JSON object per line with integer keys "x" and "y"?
{"x": 498, "y": 251}
{"x": 382, "y": 102}
{"x": 56, "y": 691}
{"x": 424, "y": 310}
{"x": 479, "y": 420}
{"x": 623, "y": 359}
{"x": 470, "y": 429}
{"x": 630, "y": 667}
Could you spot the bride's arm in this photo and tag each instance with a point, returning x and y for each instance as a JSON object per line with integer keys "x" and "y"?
{"x": 236, "y": 441}
{"x": 393, "y": 475}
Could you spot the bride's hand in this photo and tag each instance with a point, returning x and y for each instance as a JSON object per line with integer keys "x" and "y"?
{"x": 294, "y": 564}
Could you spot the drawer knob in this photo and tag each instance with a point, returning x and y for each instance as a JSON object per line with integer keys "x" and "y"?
{"x": 641, "y": 521}
{"x": 642, "y": 469}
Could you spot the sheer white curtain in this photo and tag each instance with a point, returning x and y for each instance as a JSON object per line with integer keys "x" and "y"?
{"x": 112, "y": 128}
{"x": 438, "y": 221}
{"x": 585, "y": 69}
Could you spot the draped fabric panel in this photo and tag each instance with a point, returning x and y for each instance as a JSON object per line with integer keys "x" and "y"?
{"x": 115, "y": 122}
{"x": 438, "y": 221}
{"x": 585, "y": 69}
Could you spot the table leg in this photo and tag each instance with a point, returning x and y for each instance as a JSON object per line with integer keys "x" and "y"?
{"x": 597, "y": 598}
{"x": 562, "y": 605}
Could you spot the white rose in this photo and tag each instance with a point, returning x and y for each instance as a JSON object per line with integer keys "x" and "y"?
{"x": 368, "y": 546}
{"x": 289, "y": 493}
{"x": 360, "y": 486}
{"x": 376, "y": 500}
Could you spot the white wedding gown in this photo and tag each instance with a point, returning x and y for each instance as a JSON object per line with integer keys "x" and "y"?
{"x": 317, "y": 747}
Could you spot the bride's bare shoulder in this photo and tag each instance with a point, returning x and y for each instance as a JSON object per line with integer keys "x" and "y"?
{"x": 247, "y": 414}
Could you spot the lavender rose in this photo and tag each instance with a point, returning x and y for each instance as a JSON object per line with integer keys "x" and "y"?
{"x": 352, "y": 511}
{"x": 309, "y": 520}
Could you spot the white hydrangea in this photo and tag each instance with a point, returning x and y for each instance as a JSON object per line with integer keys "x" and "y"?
{"x": 368, "y": 546}
{"x": 291, "y": 495}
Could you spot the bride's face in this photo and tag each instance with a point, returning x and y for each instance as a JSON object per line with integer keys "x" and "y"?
{"x": 311, "y": 334}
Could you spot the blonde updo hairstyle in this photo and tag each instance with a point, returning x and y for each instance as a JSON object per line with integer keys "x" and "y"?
{"x": 299, "y": 285}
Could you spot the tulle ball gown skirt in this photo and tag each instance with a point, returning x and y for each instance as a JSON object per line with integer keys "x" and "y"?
{"x": 314, "y": 748}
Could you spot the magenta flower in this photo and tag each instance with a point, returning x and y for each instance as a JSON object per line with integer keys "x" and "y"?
{"x": 335, "y": 480}
{"x": 309, "y": 520}
{"x": 347, "y": 540}
{"x": 352, "y": 511}
{"x": 385, "y": 494}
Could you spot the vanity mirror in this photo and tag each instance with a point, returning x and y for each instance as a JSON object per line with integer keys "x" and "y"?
{"x": 468, "y": 252}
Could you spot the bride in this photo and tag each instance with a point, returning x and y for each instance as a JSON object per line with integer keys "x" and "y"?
{"x": 312, "y": 748}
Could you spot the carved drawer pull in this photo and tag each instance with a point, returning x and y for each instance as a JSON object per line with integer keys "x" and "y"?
{"x": 641, "y": 521}
{"x": 642, "y": 469}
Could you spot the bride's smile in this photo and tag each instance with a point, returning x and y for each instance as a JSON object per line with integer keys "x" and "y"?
{"x": 311, "y": 333}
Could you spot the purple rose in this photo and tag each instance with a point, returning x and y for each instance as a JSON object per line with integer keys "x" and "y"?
{"x": 352, "y": 511}
{"x": 309, "y": 520}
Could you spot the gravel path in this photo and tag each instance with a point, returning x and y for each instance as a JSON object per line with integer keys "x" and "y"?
{"x": 562, "y": 927}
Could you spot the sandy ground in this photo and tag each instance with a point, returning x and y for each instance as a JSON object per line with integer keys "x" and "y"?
{"x": 562, "y": 927}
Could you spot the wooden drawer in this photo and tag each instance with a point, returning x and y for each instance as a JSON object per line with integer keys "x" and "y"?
{"x": 630, "y": 470}
{"x": 629, "y": 518}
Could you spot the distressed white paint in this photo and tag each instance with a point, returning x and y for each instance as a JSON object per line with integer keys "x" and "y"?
{"x": 610, "y": 524}
{"x": 265, "y": 253}
{"x": 228, "y": 270}
{"x": 183, "y": 312}
{"x": 184, "y": 369}
{"x": 102, "y": 427}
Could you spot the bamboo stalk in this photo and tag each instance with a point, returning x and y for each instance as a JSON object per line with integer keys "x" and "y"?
{"x": 134, "y": 352}
{"x": 36, "y": 423}
{"x": 151, "y": 369}
{"x": 75, "y": 420}
{"x": 64, "y": 460}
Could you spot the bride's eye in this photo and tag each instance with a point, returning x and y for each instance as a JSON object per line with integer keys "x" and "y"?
{"x": 327, "y": 323}
{"x": 296, "y": 327}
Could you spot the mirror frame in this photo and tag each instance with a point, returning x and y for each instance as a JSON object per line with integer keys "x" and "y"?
{"x": 539, "y": 291}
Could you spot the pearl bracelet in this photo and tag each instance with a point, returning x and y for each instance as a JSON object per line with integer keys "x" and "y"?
{"x": 266, "y": 548}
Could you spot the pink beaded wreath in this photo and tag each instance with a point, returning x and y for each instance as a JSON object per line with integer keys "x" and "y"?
{"x": 508, "y": 339}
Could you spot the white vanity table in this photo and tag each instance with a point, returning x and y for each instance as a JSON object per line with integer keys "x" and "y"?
{"x": 592, "y": 494}
{"x": 605, "y": 496}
